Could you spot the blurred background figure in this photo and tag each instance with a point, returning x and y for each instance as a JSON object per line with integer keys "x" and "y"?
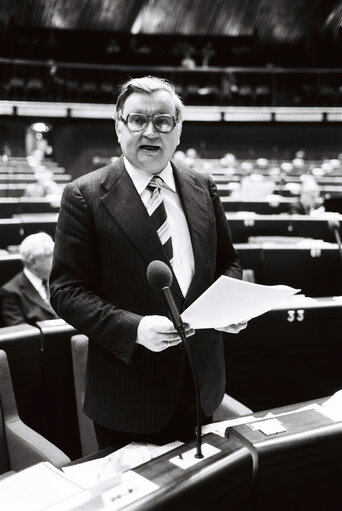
{"x": 26, "y": 298}
{"x": 191, "y": 156}
{"x": 310, "y": 201}
{"x": 179, "y": 156}
{"x": 254, "y": 187}
{"x": 229, "y": 163}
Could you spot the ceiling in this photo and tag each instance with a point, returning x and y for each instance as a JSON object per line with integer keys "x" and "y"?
{"x": 281, "y": 21}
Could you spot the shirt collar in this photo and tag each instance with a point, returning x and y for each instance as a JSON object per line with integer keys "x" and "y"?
{"x": 141, "y": 178}
{"x": 35, "y": 281}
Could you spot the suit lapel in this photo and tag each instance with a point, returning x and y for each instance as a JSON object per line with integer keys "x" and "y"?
{"x": 124, "y": 204}
{"x": 32, "y": 294}
{"x": 194, "y": 201}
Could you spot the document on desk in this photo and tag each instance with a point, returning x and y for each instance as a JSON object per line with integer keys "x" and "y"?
{"x": 36, "y": 488}
{"x": 229, "y": 301}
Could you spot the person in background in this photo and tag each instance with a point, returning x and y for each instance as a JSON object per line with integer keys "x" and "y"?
{"x": 310, "y": 201}
{"x": 25, "y": 298}
{"x": 113, "y": 222}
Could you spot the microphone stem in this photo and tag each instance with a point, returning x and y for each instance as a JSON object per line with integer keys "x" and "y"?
{"x": 338, "y": 239}
{"x": 198, "y": 454}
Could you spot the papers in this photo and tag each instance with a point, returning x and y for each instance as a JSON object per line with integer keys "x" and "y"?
{"x": 91, "y": 473}
{"x": 219, "y": 428}
{"x": 36, "y": 488}
{"x": 229, "y": 301}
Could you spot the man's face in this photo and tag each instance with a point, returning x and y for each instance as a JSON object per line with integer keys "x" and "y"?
{"x": 148, "y": 150}
{"x": 41, "y": 266}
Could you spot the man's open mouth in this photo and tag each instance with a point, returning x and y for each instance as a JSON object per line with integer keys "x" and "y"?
{"x": 152, "y": 148}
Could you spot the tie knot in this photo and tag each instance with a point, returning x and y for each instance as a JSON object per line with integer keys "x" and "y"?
{"x": 156, "y": 182}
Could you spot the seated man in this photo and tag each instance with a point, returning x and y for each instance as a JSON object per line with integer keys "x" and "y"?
{"x": 310, "y": 201}
{"x": 25, "y": 298}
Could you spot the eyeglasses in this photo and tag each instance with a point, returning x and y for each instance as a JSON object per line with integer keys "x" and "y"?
{"x": 164, "y": 123}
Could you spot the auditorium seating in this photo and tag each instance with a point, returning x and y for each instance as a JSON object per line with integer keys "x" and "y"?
{"x": 79, "y": 349}
{"x": 20, "y": 446}
{"x": 10, "y": 206}
{"x": 14, "y": 230}
{"x": 22, "y": 344}
{"x": 244, "y": 226}
{"x": 10, "y": 265}
{"x": 27, "y": 178}
{"x": 40, "y": 361}
{"x": 10, "y": 232}
{"x": 288, "y": 355}
{"x": 60, "y": 411}
{"x": 296, "y": 457}
{"x": 315, "y": 268}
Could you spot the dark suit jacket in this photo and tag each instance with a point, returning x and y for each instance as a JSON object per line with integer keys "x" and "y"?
{"x": 21, "y": 303}
{"x": 104, "y": 242}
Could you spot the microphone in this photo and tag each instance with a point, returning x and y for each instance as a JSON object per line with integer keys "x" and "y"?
{"x": 159, "y": 277}
{"x": 334, "y": 225}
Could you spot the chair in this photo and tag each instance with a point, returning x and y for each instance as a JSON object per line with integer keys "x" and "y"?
{"x": 228, "y": 409}
{"x": 79, "y": 350}
{"x": 20, "y": 446}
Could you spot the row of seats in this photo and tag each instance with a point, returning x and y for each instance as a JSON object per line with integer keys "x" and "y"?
{"x": 307, "y": 256}
{"x": 47, "y": 362}
{"x": 207, "y": 93}
{"x": 40, "y": 361}
{"x": 10, "y": 206}
{"x": 14, "y": 230}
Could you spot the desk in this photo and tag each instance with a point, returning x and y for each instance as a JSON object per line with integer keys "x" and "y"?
{"x": 243, "y": 226}
{"x": 10, "y": 265}
{"x": 14, "y": 230}
{"x": 287, "y": 355}
{"x": 315, "y": 268}
{"x": 299, "y": 468}
{"x": 10, "y": 206}
{"x": 10, "y": 232}
{"x": 263, "y": 207}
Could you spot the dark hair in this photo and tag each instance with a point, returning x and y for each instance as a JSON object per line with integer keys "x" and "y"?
{"x": 148, "y": 85}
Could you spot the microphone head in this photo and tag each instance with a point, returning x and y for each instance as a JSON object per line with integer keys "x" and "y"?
{"x": 333, "y": 224}
{"x": 159, "y": 275}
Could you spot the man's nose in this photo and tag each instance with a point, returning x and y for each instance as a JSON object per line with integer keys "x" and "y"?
{"x": 150, "y": 130}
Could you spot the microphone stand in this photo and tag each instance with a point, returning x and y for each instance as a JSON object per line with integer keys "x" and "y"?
{"x": 334, "y": 226}
{"x": 179, "y": 325}
{"x": 338, "y": 240}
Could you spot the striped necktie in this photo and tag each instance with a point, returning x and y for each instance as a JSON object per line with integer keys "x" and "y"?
{"x": 156, "y": 210}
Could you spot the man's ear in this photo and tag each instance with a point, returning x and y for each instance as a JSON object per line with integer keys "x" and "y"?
{"x": 179, "y": 133}
{"x": 118, "y": 130}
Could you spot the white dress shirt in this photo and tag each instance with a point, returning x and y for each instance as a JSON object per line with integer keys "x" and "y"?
{"x": 183, "y": 258}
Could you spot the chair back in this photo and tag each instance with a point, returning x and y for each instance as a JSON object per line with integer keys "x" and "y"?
{"x": 20, "y": 445}
{"x": 4, "y": 459}
{"x": 79, "y": 349}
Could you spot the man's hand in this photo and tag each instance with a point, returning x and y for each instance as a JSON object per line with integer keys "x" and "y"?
{"x": 157, "y": 333}
{"x": 233, "y": 329}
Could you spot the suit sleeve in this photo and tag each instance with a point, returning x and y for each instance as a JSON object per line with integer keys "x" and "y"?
{"x": 74, "y": 283}
{"x": 11, "y": 309}
{"x": 227, "y": 258}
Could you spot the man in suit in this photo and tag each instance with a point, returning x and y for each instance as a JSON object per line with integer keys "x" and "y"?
{"x": 25, "y": 298}
{"x": 138, "y": 382}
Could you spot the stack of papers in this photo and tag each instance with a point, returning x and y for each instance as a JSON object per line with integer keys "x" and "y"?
{"x": 229, "y": 301}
